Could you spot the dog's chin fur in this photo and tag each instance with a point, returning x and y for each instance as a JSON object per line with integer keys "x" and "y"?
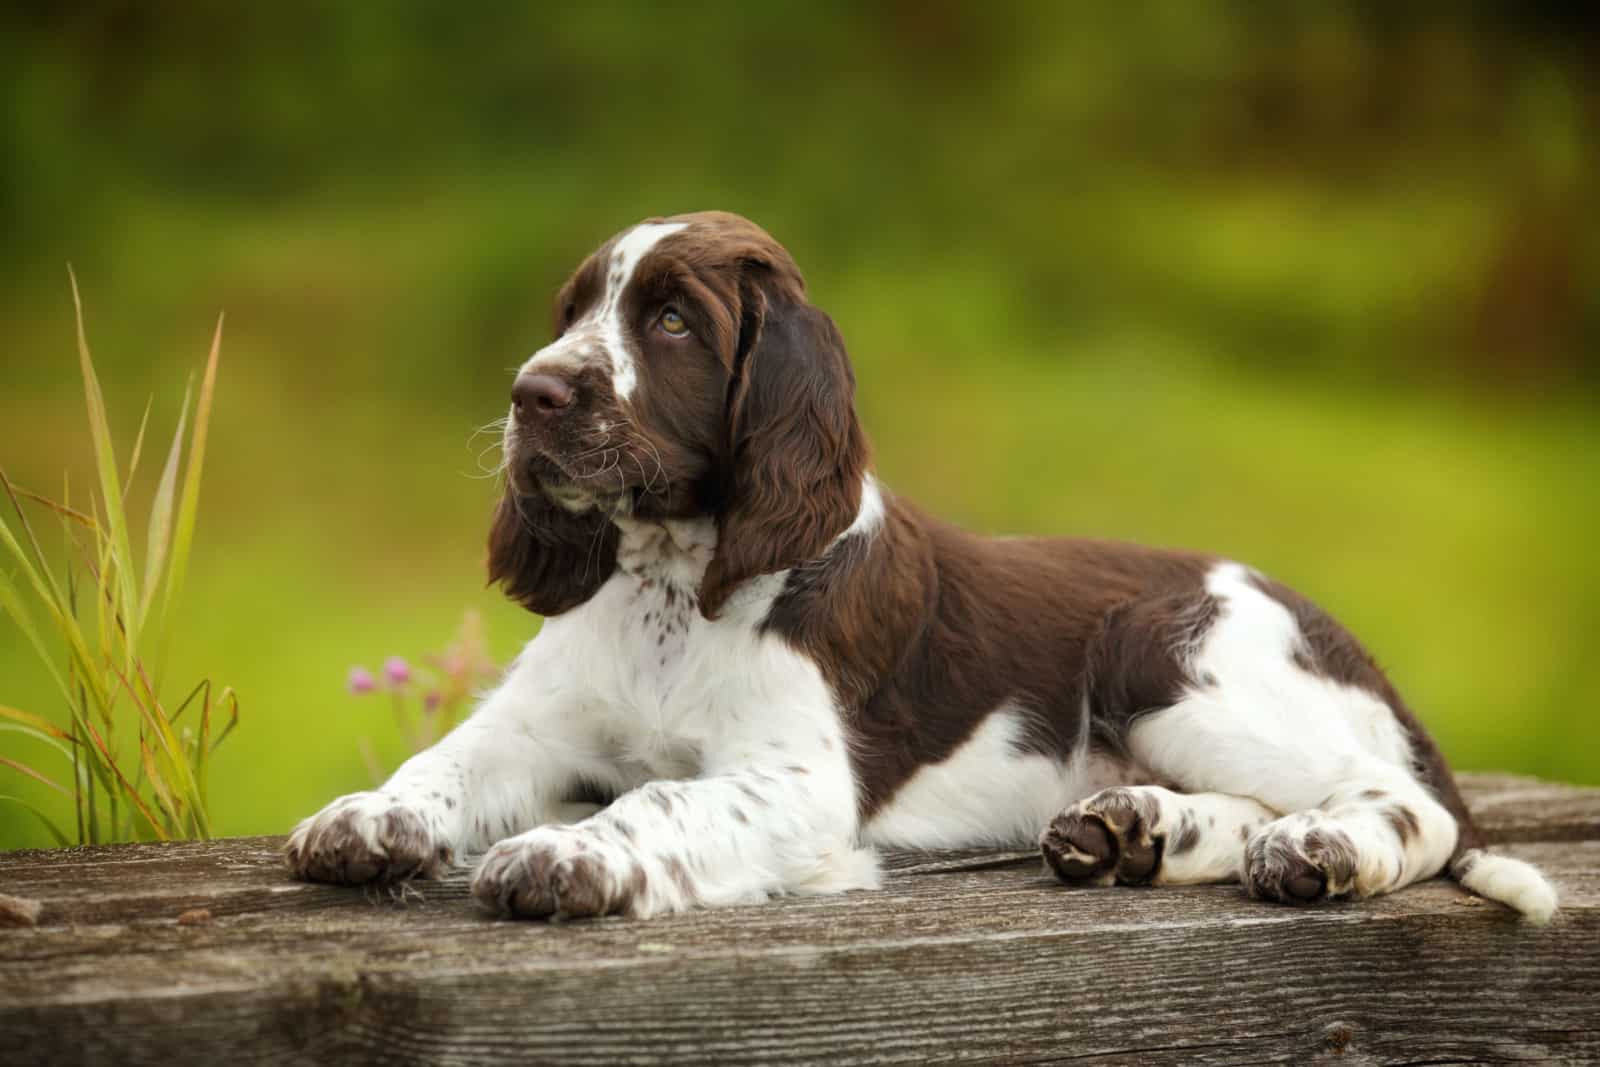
{"x": 570, "y": 496}
{"x": 542, "y": 476}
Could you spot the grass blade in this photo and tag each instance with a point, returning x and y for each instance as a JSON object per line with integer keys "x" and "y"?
{"x": 36, "y": 722}
{"x": 110, "y": 481}
{"x": 232, "y": 700}
{"x": 44, "y": 585}
{"x": 189, "y": 505}
{"x": 158, "y": 783}
{"x": 23, "y": 768}
{"x": 37, "y": 568}
{"x": 37, "y": 735}
{"x": 127, "y": 787}
{"x": 60, "y": 509}
{"x": 204, "y": 749}
{"x": 160, "y": 533}
{"x": 203, "y": 745}
{"x": 49, "y": 823}
{"x": 171, "y": 747}
{"x": 197, "y": 754}
{"x": 105, "y": 619}
{"x": 48, "y": 591}
{"x": 13, "y": 605}
{"x": 82, "y": 779}
{"x": 138, "y": 447}
{"x": 204, "y": 685}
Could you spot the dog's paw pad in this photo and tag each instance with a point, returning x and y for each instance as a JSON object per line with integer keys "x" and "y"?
{"x": 1300, "y": 860}
{"x": 1105, "y": 839}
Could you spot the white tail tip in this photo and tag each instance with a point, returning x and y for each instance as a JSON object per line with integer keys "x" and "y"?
{"x": 1517, "y": 885}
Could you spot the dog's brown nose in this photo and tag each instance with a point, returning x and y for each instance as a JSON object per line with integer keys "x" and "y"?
{"x": 540, "y": 394}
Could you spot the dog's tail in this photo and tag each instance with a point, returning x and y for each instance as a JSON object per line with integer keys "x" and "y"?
{"x": 1519, "y": 886}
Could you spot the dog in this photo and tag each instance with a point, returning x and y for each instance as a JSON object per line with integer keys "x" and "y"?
{"x": 758, "y": 665}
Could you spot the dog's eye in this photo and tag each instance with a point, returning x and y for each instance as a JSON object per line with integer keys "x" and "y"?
{"x": 672, "y": 322}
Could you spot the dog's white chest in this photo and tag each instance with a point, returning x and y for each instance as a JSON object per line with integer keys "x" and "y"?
{"x": 659, "y": 629}
{"x": 650, "y": 621}
{"x": 664, "y": 681}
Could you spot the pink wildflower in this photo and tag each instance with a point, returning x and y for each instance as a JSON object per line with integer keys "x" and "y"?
{"x": 361, "y": 680}
{"x": 396, "y": 671}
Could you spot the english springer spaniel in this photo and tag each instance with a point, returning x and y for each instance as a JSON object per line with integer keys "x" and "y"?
{"x": 765, "y": 664}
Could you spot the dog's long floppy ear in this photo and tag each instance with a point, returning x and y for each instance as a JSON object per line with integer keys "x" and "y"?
{"x": 547, "y": 558}
{"x": 795, "y": 454}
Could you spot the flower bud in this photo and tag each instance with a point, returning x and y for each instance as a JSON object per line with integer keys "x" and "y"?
{"x": 396, "y": 671}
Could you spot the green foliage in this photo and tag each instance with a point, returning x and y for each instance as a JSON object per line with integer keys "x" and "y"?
{"x": 109, "y": 671}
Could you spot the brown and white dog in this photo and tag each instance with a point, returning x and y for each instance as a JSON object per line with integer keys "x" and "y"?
{"x": 765, "y": 664}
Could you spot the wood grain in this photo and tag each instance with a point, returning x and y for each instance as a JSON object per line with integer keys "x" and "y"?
{"x": 974, "y": 956}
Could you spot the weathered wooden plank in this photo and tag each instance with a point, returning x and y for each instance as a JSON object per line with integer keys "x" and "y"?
{"x": 1509, "y": 808}
{"x": 441, "y": 930}
{"x": 240, "y": 875}
{"x": 961, "y": 956}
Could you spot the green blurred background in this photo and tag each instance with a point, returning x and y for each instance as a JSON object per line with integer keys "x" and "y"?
{"x": 1314, "y": 285}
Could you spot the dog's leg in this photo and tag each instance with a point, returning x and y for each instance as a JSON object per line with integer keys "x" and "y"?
{"x": 1138, "y": 835}
{"x": 1365, "y": 838}
{"x": 1260, "y": 722}
{"x": 770, "y": 815}
{"x": 1356, "y": 825}
{"x": 506, "y": 768}
{"x": 733, "y": 838}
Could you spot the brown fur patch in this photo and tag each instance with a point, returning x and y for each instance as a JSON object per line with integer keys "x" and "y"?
{"x": 1404, "y": 822}
{"x": 1186, "y": 837}
{"x": 680, "y": 876}
{"x": 923, "y": 630}
{"x": 637, "y": 884}
{"x": 797, "y": 450}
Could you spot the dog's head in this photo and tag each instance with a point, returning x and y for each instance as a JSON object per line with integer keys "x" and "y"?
{"x": 688, "y": 377}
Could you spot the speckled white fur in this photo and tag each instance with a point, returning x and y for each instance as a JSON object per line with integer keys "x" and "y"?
{"x": 723, "y": 744}
{"x": 1295, "y": 741}
{"x": 1333, "y": 755}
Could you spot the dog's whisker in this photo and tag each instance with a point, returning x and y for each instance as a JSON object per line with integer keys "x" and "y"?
{"x": 490, "y": 471}
{"x": 660, "y": 467}
{"x": 596, "y": 451}
{"x": 494, "y": 426}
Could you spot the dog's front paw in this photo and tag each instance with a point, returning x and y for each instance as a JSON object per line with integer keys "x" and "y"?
{"x": 558, "y": 871}
{"x": 364, "y": 838}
